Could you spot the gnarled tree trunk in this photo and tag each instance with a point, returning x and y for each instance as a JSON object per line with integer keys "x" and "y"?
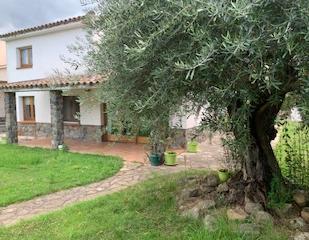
{"x": 260, "y": 164}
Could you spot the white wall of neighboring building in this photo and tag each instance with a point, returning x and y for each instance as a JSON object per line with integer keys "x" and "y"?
{"x": 295, "y": 115}
{"x": 48, "y": 48}
{"x": 41, "y": 104}
{"x": 186, "y": 121}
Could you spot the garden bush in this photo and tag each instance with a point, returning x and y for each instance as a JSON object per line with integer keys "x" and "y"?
{"x": 292, "y": 152}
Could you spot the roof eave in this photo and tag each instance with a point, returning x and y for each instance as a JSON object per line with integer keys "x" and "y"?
{"x": 58, "y": 28}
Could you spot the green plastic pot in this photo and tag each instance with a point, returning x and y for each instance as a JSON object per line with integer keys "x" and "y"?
{"x": 170, "y": 158}
{"x": 155, "y": 159}
{"x": 223, "y": 175}
{"x": 192, "y": 146}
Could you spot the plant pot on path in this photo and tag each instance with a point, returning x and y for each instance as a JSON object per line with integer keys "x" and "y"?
{"x": 192, "y": 146}
{"x": 170, "y": 158}
{"x": 155, "y": 159}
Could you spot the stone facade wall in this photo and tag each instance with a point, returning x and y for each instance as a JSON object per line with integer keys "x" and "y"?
{"x": 2, "y": 110}
{"x": 84, "y": 132}
{"x": 72, "y": 131}
{"x": 11, "y": 120}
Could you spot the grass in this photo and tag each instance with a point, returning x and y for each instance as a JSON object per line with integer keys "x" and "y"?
{"x": 146, "y": 211}
{"x": 30, "y": 172}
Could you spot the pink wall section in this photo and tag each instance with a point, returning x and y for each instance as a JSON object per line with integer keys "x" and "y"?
{"x": 2, "y": 53}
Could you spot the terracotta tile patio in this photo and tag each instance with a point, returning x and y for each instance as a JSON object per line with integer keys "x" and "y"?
{"x": 127, "y": 151}
{"x": 209, "y": 156}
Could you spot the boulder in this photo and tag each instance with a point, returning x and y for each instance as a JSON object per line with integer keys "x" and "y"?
{"x": 305, "y": 214}
{"x": 297, "y": 223}
{"x": 249, "y": 229}
{"x": 222, "y": 188}
{"x": 251, "y": 207}
{"x": 301, "y": 236}
{"x": 301, "y": 198}
{"x": 236, "y": 214}
{"x": 210, "y": 222}
{"x": 262, "y": 217}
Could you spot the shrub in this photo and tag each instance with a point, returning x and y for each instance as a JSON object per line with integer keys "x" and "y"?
{"x": 292, "y": 152}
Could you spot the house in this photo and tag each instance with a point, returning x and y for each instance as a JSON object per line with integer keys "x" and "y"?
{"x": 43, "y": 106}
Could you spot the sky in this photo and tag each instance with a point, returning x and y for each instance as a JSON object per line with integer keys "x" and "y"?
{"x": 19, "y": 14}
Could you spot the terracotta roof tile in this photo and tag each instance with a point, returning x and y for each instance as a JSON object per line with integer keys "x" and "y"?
{"x": 76, "y": 81}
{"x": 44, "y": 26}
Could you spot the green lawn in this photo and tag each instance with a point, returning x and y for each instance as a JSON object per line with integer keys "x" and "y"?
{"x": 144, "y": 212}
{"x": 29, "y": 172}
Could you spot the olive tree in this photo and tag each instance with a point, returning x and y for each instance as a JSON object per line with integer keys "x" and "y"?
{"x": 239, "y": 58}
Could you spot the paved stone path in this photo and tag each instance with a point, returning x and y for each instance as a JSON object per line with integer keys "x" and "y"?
{"x": 129, "y": 175}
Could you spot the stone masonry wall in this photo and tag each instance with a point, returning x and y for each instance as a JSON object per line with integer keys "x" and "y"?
{"x": 71, "y": 131}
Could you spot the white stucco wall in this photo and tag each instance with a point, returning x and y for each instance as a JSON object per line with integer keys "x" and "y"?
{"x": 47, "y": 50}
{"x": 41, "y": 103}
{"x": 90, "y": 114}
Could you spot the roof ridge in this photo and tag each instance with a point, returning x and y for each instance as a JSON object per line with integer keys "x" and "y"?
{"x": 43, "y": 26}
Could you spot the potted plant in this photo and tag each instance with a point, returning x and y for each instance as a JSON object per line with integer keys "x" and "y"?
{"x": 155, "y": 159}
{"x": 223, "y": 175}
{"x": 192, "y": 146}
{"x": 170, "y": 158}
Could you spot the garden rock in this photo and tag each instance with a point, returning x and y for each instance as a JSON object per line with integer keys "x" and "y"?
{"x": 193, "y": 212}
{"x": 301, "y": 198}
{"x": 236, "y": 214}
{"x": 297, "y": 224}
{"x": 287, "y": 211}
{"x": 235, "y": 196}
{"x": 249, "y": 229}
{"x": 199, "y": 209}
{"x": 207, "y": 189}
{"x": 262, "y": 217}
{"x": 212, "y": 180}
{"x": 189, "y": 193}
{"x": 301, "y": 236}
{"x": 305, "y": 214}
{"x": 251, "y": 207}
{"x": 223, "y": 188}
{"x": 210, "y": 223}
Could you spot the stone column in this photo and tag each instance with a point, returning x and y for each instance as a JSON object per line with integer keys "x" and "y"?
{"x": 10, "y": 116}
{"x": 57, "y": 127}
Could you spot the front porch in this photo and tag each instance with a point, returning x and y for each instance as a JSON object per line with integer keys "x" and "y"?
{"x": 50, "y": 109}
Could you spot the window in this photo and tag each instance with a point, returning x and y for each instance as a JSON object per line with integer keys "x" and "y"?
{"x": 25, "y": 57}
{"x": 29, "y": 109}
{"x": 70, "y": 109}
